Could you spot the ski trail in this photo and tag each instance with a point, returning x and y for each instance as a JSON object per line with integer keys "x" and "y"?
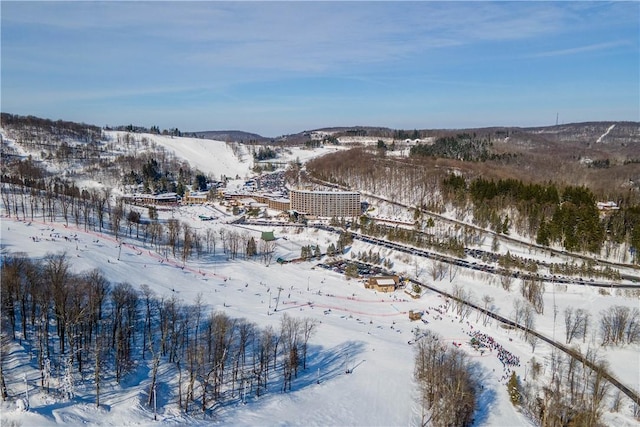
{"x": 606, "y": 133}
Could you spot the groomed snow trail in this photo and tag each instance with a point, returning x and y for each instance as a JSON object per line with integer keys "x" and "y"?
{"x": 605, "y": 134}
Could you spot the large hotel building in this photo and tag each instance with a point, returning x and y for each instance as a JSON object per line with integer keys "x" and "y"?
{"x": 326, "y": 203}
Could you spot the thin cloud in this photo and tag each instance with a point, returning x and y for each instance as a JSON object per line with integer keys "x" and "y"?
{"x": 373, "y": 59}
{"x": 299, "y": 37}
{"x": 580, "y": 49}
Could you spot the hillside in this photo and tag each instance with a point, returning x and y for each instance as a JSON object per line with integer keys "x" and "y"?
{"x": 360, "y": 361}
{"x": 232, "y": 136}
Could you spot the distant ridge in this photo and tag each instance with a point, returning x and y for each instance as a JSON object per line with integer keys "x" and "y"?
{"x": 232, "y": 136}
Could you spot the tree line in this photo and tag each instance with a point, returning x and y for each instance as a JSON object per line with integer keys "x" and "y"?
{"x": 35, "y": 128}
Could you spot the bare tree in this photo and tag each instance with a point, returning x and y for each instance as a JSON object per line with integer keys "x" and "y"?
{"x": 116, "y": 215}
{"x": 290, "y": 333}
{"x": 533, "y": 290}
{"x": 173, "y": 228}
{"x": 506, "y": 279}
{"x": 267, "y": 249}
{"x": 187, "y": 243}
{"x": 487, "y": 302}
{"x": 309, "y": 327}
{"x": 437, "y": 270}
{"x": 453, "y": 271}
{"x": 576, "y": 323}
{"x": 57, "y": 274}
{"x": 619, "y": 324}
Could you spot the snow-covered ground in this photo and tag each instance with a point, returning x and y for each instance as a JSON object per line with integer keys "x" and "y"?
{"x": 219, "y": 158}
{"x": 369, "y": 331}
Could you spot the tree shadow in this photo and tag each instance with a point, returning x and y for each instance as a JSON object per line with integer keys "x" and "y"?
{"x": 486, "y": 396}
{"x": 326, "y": 364}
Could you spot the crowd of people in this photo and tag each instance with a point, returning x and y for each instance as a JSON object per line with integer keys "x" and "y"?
{"x": 488, "y": 341}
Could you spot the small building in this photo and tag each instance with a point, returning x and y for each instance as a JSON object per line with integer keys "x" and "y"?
{"x": 167, "y": 199}
{"x": 383, "y": 283}
{"x": 195, "y": 197}
{"x": 415, "y": 315}
{"x": 152, "y": 199}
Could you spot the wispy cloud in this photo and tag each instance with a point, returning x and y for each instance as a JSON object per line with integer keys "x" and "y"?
{"x": 580, "y": 49}
{"x": 288, "y": 36}
{"x": 364, "y": 57}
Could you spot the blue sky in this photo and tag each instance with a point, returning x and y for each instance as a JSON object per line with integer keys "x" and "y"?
{"x": 282, "y": 67}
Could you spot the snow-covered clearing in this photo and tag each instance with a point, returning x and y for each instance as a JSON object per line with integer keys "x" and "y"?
{"x": 365, "y": 330}
{"x": 605, "y": 134}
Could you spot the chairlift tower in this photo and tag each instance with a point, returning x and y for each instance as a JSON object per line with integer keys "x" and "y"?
{"x": 278, "y": 298}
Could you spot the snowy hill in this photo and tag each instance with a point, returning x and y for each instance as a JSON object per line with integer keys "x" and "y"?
{"x": 219, "y": 158}
{"x": 210, "y": 156}
{"x": 359, "y": 328}
{"x": 360, "y": 368}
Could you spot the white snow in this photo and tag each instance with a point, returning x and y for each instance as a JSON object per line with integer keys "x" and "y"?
{"x": 369, "y": 331}
{"x": 605, "y": 134}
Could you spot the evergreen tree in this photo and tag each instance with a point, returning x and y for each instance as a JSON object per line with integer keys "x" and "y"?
{"x": 252, "y": 249}
{"x": 331, "y": 250}
{"x": 351, "y": 271}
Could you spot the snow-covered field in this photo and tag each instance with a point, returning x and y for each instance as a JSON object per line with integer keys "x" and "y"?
{"x": 367, "y": 332}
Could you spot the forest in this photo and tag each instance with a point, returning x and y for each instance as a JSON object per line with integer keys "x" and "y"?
{"x": 544, "y": 211}
{"x": 84, "y": 326}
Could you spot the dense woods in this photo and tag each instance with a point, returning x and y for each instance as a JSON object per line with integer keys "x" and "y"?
{"x": 34, "y": 129}
{"x": 462, "y": 146}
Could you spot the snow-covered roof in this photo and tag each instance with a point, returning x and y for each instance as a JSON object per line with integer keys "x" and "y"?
{"x": 385, "y": 282}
